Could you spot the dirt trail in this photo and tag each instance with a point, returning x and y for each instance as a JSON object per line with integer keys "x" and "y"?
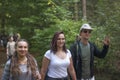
{"x": 3, "y": 60}
{"x": 1, "y": 70}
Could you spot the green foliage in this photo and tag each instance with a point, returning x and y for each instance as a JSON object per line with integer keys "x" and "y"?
{"x": 40, "y": 42}
{"x": 106, "y": 15}
{"x": 37, "y": 20}
{"x": 70, "y": 27}
{"x": 43, "y": 37}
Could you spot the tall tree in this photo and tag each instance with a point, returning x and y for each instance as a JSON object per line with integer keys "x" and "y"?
{"x": 76, "y": 9}
{"x": 3, "y": 16}
{"x": 84, "y": 9}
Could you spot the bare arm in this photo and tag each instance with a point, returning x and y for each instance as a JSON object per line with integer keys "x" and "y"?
{"x": 38, "y": 75}
{"x": 7, "y": 49}
{"x": 44, "y": 67}
{"x": 71, "y": 70}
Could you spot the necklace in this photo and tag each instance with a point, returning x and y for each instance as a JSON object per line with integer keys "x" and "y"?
{"x": 23, "y": 61}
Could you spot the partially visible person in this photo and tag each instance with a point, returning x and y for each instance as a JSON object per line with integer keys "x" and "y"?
{"x": 1, "y": 43}
{"x": 57, "y": 61}
{"x": 78, "y": 37}
{"x": 4, "y": 39}
{"x": 83, "y": 52}
{"x": 16, "y": 37}
{"x": 22, "y": 66}
{"x": 10, "y": 48}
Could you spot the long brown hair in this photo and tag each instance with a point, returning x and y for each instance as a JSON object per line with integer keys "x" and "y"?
{"x": 14, "y": 67}
{"x": 54, "y": 42}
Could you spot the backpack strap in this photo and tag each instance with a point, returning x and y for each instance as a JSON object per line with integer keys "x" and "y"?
{"x": 77, "y": 53}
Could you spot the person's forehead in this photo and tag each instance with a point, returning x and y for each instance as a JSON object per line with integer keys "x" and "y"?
{"x": 22, "y": 43}
{"x": 61, "y": 35}
{"x": 87, "y": 29}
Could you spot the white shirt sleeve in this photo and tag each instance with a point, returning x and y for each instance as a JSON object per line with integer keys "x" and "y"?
{"x": 48, "y": 54}
{"x": 69, "y": 53}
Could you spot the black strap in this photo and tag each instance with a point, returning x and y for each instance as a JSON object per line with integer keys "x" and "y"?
{"x": 77, "y": 54}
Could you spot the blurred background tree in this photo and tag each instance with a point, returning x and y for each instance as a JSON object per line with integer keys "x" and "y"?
{"x": 37, "y": 20}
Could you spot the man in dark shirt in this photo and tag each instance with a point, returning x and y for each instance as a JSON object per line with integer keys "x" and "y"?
{"x": 83, "y": 53}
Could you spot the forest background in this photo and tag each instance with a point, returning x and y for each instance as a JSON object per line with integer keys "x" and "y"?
{"x": 37, "y": 20}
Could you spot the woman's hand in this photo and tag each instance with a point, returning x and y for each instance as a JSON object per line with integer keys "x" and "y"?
{"x": 38, "y": 76}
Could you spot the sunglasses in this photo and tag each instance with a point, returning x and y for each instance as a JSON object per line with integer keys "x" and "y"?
{"x": 87, "y": 31}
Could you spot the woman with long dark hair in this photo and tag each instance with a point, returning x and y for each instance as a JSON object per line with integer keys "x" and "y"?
{"x": 57, "y": 61}
{"x": 22, "y": 66}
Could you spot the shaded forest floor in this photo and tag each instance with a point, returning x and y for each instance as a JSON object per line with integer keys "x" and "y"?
{"x": 1, "y": 70}
{"x": 3, "y": 60}
{"x": 107, "y": 76}
{"x": 98, "y": 75}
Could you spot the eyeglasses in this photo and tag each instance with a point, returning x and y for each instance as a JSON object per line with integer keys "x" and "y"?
{"x": 87, "y": 31}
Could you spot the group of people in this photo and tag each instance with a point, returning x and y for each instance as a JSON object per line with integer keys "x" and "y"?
{"x": 10, "y": 47}
{"x": 4, "y": 38}
{"x": 59, "y": 63}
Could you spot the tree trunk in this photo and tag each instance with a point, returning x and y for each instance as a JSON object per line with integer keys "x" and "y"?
{"x": 76, "y": 11}
{"x": 3, "y": 25}
{"x": 3, "y": 18}
{"x": 84, "y": 9}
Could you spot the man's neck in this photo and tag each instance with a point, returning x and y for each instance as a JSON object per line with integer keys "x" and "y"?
{"x": 84, "y": 41}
